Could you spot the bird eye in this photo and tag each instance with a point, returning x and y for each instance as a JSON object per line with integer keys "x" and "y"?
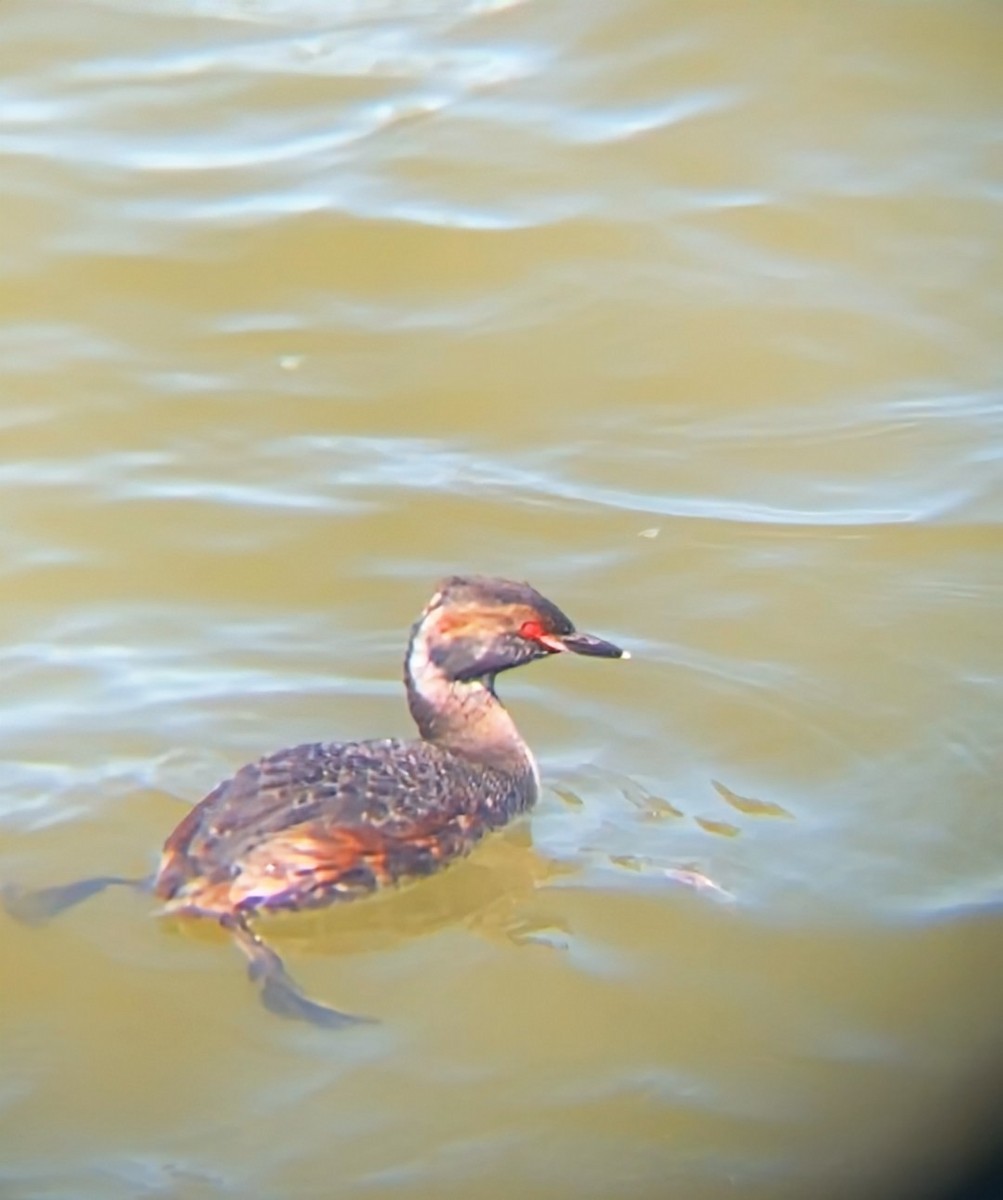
{"x": 531, "y": 630}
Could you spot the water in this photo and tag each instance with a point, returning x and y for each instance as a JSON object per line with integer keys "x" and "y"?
{"x": 688, "y": 315}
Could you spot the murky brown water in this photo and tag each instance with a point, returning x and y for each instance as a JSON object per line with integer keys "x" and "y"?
{"x": 690, "y": 315}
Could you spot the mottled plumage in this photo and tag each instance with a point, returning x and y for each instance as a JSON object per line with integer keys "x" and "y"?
{"x": 331, "y": 821}
{"x": 325, "y": 822}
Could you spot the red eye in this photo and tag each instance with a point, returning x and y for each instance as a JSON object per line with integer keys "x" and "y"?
{"x": 531, "y": 630}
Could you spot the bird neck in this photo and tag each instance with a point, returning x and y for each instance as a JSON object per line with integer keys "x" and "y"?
{"x": 464, "y": 717}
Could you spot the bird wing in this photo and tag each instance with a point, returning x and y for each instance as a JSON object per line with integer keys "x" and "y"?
{"x": 316, "y": 823}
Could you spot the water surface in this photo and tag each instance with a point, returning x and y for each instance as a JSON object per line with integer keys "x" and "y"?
{"x": 688, "y": 315}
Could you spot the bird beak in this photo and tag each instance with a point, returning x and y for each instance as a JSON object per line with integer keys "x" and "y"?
{"x": 583, "y": 643}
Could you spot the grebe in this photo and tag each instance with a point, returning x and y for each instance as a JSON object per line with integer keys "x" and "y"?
{"x": 330, "y": 821}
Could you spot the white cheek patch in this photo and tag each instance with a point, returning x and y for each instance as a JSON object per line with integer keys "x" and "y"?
{"x": 419, "y": 664}
{"x": 426, "y": 678}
